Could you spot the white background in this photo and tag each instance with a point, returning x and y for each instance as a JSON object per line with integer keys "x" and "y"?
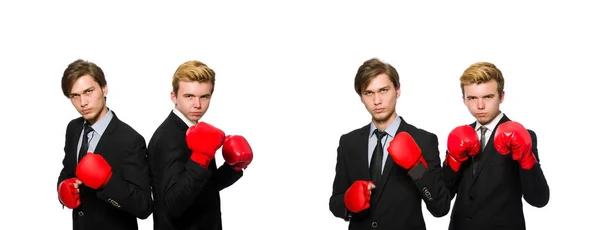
{"x": 285, "y": 74}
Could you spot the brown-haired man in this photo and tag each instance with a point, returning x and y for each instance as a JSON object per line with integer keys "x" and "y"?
{"x": 185, "y": 179}
{"x": 491, "y": 163}
{"x": 105, "y": 177}
{"x": 381, "y": 184}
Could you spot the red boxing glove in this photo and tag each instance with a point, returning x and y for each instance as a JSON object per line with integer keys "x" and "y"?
{"x": 93, "y": 170}
{"x": 204, "y": 140}
{"x": 237, "y": 152}
{"x": 357, "y": 197}
{"x": 462, "y": 141}
{"x": 68, "y": 194}
{"x": 513, "y": 137}
{"x": 405, "y": 151}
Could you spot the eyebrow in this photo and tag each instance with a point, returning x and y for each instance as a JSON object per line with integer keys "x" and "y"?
{"x": 385, "y": 87}
{"x": 75, "y": 94}
{"x": 487, "y": 95}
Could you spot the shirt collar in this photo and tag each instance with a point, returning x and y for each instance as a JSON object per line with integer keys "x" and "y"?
{"x": 182, "y": 117}
{"x": 101, "y": 125}
{"x": 490, "y": 126}
{"x": 390, "y": 130}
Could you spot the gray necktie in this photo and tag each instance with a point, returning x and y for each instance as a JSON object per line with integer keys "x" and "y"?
{"x": 482, "y": 142}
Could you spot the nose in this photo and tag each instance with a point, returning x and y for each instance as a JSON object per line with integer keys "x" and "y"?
{"x": 83, "y": 100}
{"x": 377, "y": 99}
{"x": 480, "y": 104}
{"x": 197, "y": 102}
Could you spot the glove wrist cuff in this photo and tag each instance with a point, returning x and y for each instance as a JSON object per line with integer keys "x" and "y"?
{"x": 417, "y": 172}
{"x": 527, "y": 163}
{"x": 201, "y": 159}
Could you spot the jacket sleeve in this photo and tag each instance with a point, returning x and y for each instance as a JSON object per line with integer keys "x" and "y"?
{"x": 340, "y": 185}
{"x": 226, "y": 176}
{"x": 536, "y": 191}
{"x": 182, "y": 179}
{"x": 130, "y": 190}
{"x": 430, "y": 182}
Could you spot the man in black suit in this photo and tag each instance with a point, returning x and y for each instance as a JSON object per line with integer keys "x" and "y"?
{"x": 389, "y": 197}
{"x": 185, "y": 179}
{"x": 492, "y": 163}
{"x": 105, "y": 177}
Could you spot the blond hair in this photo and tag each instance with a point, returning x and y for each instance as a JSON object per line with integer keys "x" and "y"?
{"x": 482, "y": 72}
{"x": 193, "y": 71}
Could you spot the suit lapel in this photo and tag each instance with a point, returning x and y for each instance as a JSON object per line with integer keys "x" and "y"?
{"x": 360, "y": 150}
{"x": 74, "y": 141}
{"x": 489, "y": 148}
{"x": 387, "y": 169}
{"x": 105, "y": 138}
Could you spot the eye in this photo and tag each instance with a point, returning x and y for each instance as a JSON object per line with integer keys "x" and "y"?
{"x": 384, "y": 90}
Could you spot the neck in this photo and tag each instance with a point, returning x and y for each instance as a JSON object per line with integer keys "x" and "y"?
{"x": 382, "y": 125}
{"x": 100, "y": 116}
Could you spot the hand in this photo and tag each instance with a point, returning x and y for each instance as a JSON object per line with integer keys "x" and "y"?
{"x": 358, "y": 196}
{"x": 405, "y": 151}
{"x": 237, "y": 152}
{"x": 513, "y": 137}
{"x": 68, "y": 193}
{"x": 462, "y": 141}
{"x": 93, "y": 171}
{"x": 204, "y": 140}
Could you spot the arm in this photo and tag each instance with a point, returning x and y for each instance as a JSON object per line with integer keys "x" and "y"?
{"x": 226, "y": 176}
{"x": 429, "y": 180}
{"x": 462, "y": 144}
{"x": 535, "y": 187}
{"x": 237, "y": 154}
{"x": 513, "y": 139}
{"x": 340, "y": 185}
{"x": 451, "y": 178}
{"x": 130, "y": 191}
{"x": 65, "y": 174}
{"x": 182, "y": 178}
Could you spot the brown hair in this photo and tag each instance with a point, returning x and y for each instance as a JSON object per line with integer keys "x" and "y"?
{"x": 77, "y": 69}
{"x": 370, "y": 69}
{"x": 482, "y": 72}
{"x": 193, "y": 71}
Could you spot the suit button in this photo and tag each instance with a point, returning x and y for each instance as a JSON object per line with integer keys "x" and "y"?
{"x": 471, "y": 198}
{"x": 374, "y": 224}
{"x": 80, "y": 213}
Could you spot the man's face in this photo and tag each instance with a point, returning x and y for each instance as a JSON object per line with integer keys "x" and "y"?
{"x": 192, "y": 99}
{"x": 379, "y": 97}
{"x": 88, "y": 98}
{"x": 483, "y": 100}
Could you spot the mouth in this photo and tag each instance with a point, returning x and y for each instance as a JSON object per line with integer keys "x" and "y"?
{"x": 480, "y": 114}
{"x": 86, "y": 111}
{"x": 196, "y": 114}
{"x": 379, "y": 110}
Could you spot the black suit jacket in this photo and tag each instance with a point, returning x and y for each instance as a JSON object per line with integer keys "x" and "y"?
{"x": 396, "y": 200}
{"x": 492, "y": 198}
{"x": 186, "y": 194}
{"x": 127, "y": 196}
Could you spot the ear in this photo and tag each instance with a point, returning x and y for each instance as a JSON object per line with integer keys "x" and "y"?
{"x": 173, "y": 97}
{"x": 463, "y": 99}
{"x": 502, "y": 96}
{"x": 105, "y": 89}
{"x": 397, "y": 92}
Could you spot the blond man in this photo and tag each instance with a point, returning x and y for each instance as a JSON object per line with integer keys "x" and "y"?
{"x": 185, "y": 179}
{"x": 493, "y": 163}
